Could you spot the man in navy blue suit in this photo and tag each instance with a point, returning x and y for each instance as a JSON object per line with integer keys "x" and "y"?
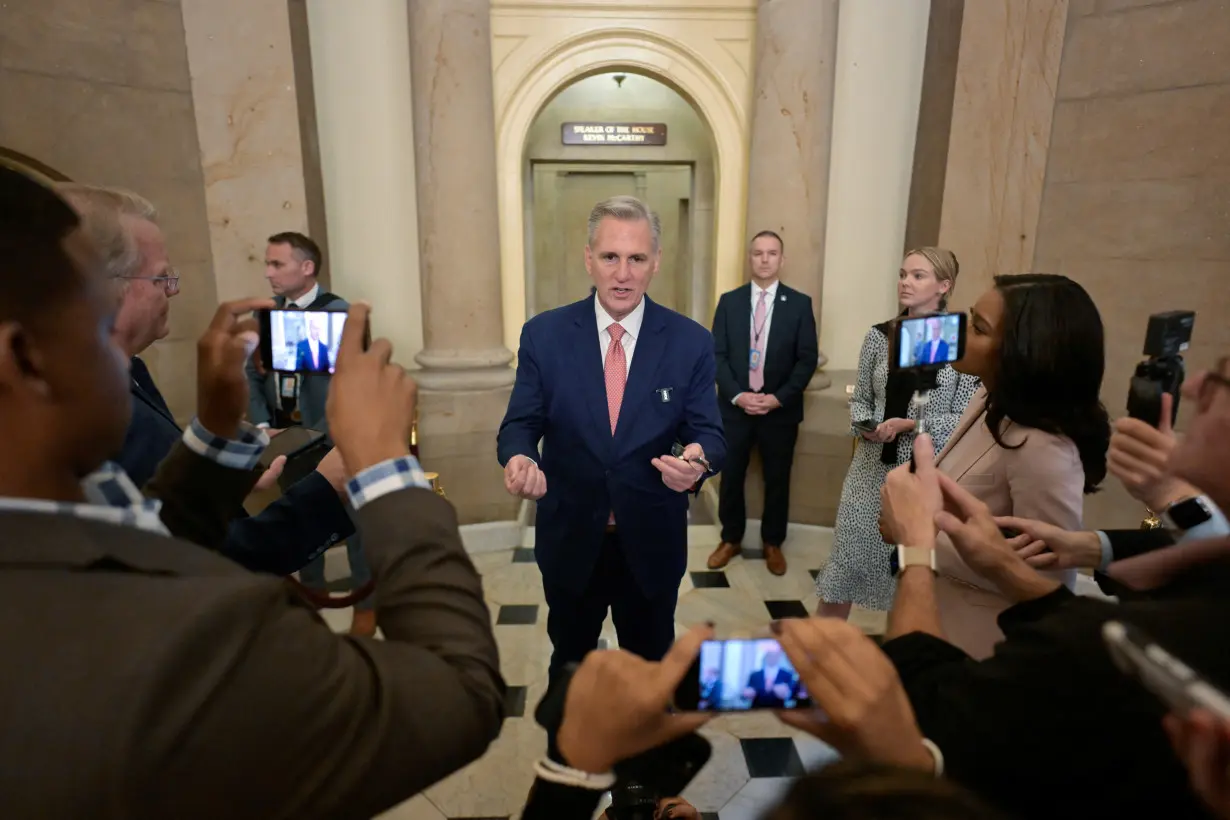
{"x": 313, "y": 352}
{"x": 933, "y": 349}
{"x": 612, "y": 386}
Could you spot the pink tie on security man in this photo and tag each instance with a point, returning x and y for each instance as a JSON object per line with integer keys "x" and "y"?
{"x": 756, "y": 375}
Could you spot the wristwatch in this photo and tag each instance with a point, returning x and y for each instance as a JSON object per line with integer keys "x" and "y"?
{"x": 903, "y": 557}
{"x": 1182, "y": 516}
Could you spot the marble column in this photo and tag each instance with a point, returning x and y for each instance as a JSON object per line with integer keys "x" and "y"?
{"x": 459, "y": 242}
{"x": 788, "y": 183}
{"x": 466, "y": 379}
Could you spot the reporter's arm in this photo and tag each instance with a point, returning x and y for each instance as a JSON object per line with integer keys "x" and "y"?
{"x": 525, "y": 419}
{"x": 915, "y": 608}
{"x": 333, "y": 726}
{"x": 204, "y": 480}
{"x": 292, "y": 531}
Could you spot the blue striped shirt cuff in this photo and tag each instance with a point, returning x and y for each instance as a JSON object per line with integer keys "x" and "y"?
{"x": 240, "y": 454}
{"x": 384, "y": 478}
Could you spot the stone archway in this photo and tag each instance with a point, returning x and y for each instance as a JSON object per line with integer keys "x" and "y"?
{"x": 638, "y": 52}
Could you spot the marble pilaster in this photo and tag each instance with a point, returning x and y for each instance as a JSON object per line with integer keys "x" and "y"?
{"x": 796, "y": 49}
{"x": 454, "y": 140}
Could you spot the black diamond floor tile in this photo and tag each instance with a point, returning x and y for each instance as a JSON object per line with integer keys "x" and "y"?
{"x": 710, "y": 580}
{"x": 517, "y": 615}
{"x": 772, "y": 757}
{"x": 786, "y": 609}
{"x": 709, "y": 815}
{"x": 514, "y": 701}
{"x": 752, "y": 554}
{"x": 523, "y": 555}
{"x": 814, "y": 573}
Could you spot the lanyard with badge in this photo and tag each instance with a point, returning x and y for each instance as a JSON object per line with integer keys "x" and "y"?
{"x": 755, "y": 355}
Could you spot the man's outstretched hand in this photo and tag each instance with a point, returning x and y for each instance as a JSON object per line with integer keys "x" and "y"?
{"x": 222, "y": 353}
{"x": 681, "y": 473}
{"x": 371, "y": 400}
{"x": 523, "y": 479}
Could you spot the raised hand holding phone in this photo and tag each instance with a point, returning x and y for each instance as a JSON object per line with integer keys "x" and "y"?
{"x": 222, "y": 352}
{"x": 371, "y": 400}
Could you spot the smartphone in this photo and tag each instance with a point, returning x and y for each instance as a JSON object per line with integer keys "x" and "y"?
{"x": 303, "y": 447}
{"x": 302, "y": 341}
{"x": 1177, "y": 685}
{"x": 739, "y": 675}
{"x": 927, "y": 342}
{"x": 866, "y": 425}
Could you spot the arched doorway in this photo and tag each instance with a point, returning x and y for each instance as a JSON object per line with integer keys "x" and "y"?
{"x": 565, "y": 175}
{"x": 649, "y": 56}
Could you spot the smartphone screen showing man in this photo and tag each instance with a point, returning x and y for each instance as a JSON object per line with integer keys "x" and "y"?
{"x": 741, "y": 674}
{"x": 304, "y": 341}
{"x": 930, "y": 341}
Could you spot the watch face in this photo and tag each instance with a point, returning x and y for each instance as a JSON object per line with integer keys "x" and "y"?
{"x": 894, "y": 561}
{"x": 1188, "y": 514}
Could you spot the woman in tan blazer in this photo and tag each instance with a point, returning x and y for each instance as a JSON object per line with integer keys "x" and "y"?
{"x": 1032, "y": 442}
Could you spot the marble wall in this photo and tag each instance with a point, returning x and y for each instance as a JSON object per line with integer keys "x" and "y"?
{"x": 1136, "y": 199}
{"x": 242, "y": 61}
{"x": 1007, "y": 71}
{"x": 100, "y": 91}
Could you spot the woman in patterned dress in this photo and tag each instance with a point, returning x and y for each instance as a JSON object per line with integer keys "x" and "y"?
{"x": 857, "y": 571}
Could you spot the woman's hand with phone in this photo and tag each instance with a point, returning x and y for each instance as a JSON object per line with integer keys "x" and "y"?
{"x": 889, "y": 429}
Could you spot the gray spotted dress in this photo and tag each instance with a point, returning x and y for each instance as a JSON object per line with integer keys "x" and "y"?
{"x": 858, "y": 571}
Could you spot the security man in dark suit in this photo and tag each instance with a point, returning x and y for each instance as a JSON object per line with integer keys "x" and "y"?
{"x": 764, "y": 336}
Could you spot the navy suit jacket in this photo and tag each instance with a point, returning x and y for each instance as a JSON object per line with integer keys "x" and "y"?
{"x": 765, "y": 698}
{"x": 304, "y": 357}
{"x": 922, "y": 353}
{"x": 308, "y": 519}
{"x": 560, "y": 398}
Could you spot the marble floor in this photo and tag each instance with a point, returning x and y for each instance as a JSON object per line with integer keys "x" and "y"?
{"x": 755, "y": 757}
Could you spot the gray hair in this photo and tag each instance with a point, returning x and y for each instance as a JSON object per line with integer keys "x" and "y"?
{"x": 102, "y": 210}
{"x": 625, "y": 209}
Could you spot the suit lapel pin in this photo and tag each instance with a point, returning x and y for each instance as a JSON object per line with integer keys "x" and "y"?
{"x": 783, "y": 297}
{"x": 664, "y": 393}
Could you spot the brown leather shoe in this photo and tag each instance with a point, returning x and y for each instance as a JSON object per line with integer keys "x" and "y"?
{"x": 774, "y": 560}
{"x": 363, "y": 624}
{"x": 722, "y": 555}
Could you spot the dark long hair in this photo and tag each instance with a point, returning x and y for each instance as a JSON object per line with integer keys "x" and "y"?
{"x": 857, "y": 790}
{"x": 1051, "y": 363}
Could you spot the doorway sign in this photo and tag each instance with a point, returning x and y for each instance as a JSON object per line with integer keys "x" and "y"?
{"x": 614, "y": 133}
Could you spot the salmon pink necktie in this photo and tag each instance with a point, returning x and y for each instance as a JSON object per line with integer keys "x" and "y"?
{"x": 616, "y": 369}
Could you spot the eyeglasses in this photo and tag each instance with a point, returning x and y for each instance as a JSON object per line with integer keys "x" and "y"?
{"x": 168, "y": 280}
{"x": 1211, "y": 379}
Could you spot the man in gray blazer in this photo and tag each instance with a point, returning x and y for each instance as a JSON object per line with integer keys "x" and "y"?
{"x": 148, "y": 677}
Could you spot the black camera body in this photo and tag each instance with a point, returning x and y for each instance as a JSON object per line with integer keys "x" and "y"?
{"x": 1166, "y": 337}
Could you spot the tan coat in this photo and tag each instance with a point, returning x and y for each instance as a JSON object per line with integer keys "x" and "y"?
{"x": 1042, "y": 479}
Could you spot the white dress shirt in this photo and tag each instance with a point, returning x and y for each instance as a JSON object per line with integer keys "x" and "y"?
{"x": 306, "y": 299}
{"x": 768, "y": 321}
{"x": 630, "y": 323}
{"x": 768, "y": 315}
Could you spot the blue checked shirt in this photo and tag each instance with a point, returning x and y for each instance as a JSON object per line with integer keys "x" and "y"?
{"x": 111, "y": 496}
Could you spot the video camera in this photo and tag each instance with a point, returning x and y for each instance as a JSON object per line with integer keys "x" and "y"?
{"x": 1166, "y": 337}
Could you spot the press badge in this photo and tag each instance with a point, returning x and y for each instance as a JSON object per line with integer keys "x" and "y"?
{"x": 754, "y": 359}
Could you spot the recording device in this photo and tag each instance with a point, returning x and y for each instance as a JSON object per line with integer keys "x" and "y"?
{"x": 302, "y": 341}
{"x": 866, "y": 425}
{"x": 1167, "y": 335}
{"x": 641, "y": 781}
{"x": 304, "y": 449}
{"x": 1177, "y": 685}
{"x": 741, "y": 674}
{"x": 925, "y": 344}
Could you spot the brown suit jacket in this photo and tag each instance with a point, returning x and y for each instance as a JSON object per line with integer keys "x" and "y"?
{"x": 1042, "y": 479}
{"x": 146, "y": 677}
